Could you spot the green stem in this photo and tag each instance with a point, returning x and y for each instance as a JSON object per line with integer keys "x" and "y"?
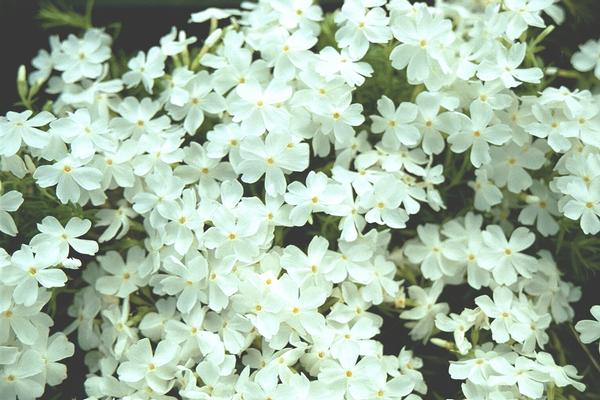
{"x": 585, "y": 349}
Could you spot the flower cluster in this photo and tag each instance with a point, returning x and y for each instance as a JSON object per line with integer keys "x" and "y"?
{"x": 248, "y": 205}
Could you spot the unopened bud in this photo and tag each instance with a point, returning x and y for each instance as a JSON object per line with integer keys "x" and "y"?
{"x": 29, "y": 164}
{"x": 213, "y": 37}
{"x": 444, "y": 344}
{"x": 22, "y": 87}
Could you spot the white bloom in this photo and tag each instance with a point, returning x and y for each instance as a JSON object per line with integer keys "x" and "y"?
{"x": 423, "y": 38}
{"x": 458, "y": 325}
{"x": 156, "y": 368}
{"x": 83, "y": 57}
{"x": 487, "y": 193}
{"x": 425, "y": 309}
{"x": 589, "y": 330}
{"x": 430, "y": 254}
{"x": 18, "y": 127}
{"x": 477, "y": 132}
{"x": 319, "y": 195}
{"x": 524, "y": 374}
{"x": 510, "y": 161}
{"x": 384, "y": 203}
{"x": 86, "y": 134}
{"x": 210, "y": 13}
{"x": 54, "y": 238}
{"x": 9, "y": 202}
{"x": 19, "y": 380}
{"x": 586, "y": 59}
{"x": 240, "y": 236}
{"x": 504, "y": 258}
{"x": 190, "y": 102}
{"x": 585, "y": 205}
{"x": 522, "y": 13}
{"x": 396, "y": 123}
{"x": 124, "y": 278}
{"x": 28, "y": 270}
{"x": 501, "y": 310}
{"x": 145, "y": 68}
{"x": 261, "y": 109}
{"x": 273, "y": 158}
{"x": 175, "y": 42}
{"x": 360, "y": 26}
{"x": 505, "y": 67}
{"x": 70, "y": 175}
{"x": 331, "y": 64}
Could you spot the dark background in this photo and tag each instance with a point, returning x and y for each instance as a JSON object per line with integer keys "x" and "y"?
{"x": 145, "y": 21}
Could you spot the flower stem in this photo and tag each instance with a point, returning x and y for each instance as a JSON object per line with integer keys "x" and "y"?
{"x": 585, "y": 349}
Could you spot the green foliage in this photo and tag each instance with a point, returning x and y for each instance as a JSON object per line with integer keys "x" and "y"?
{"x": 58, "y": 14}
{"x": 38, "y": 203}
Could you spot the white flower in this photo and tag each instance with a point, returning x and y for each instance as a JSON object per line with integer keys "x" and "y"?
{"x": 26, "y": 322}
{"x": 501, "y": 310}
{"x": 302, "y": 305}
{"x": 589, "y": 330}
{"x": 524, "y": 374}
{"x": 184, "y": 222}
{"x": 240, "y": 236}
{"x": 187, "y": 281}
{"x": 382, "y": 284}
{"x": 430, "y": 254}
{"x": 541, "y": 208}
{"x": 190, "y": 102}
{"x": 9, "y": 202}
{"x": 54, "y": 238}
{"x": 70, "y": 175}
{"x": 18, "y": 127}
{"x": 331, "y": 64}
{"x": 505, "y": 67}
{"x": 19, "y": 379}
{"x": 423, "y": 38}
{"x": 52, "y": 349}
{"x": 458, "y": 325}
{"x": 28, "y": 270}
{"x": 561, "y": 375}
{"x": 314, "y": 266}
{"x": 137, "y": 118}
{"x": 476, "y": 132}
{"x": 340, "y": 116}
{"x": 425, "y": 309}
{"x": 504, "y": 258}
{"x": 521, "y": 13}
{"x": 145, "y": 68}
{"x": 476, "y": 369}
{"x": 510, "y": 161}
{"x": 486, "y": 193}
{"x": 175, "y": 42}
{"x": 86, "y": 135}
{"x": 584, "y": 204}
{"x": 156, "y": 368}
{"x": 83, "y": 57}
{"x": 117, "y": 222}
{"x": 260, "y": 304}
{"x": 289, "y": 53}
{"x": 396, "y": 123}
{"x": 430, "y": 123}
{"x": 210, "y": 13}
{"x": 124, "y": 278}
{"x": 273, "y": 158}
{"x": 384, "y": 203}
{"x": 360, "y": 26}
{"x": 586, "y": 59}
{"x": 258, "y": 109}
{"x": 319, "y": 195}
